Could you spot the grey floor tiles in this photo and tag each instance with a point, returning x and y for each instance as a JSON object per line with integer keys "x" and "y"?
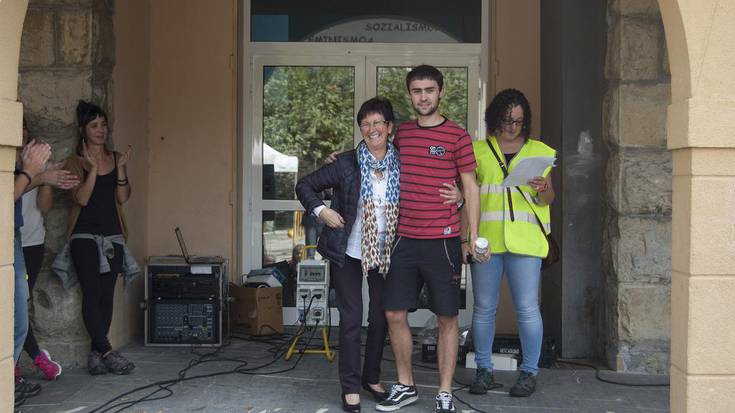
{"x": 313, "y": 386}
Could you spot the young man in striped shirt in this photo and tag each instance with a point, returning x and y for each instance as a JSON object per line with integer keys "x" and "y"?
{"x": 434, "y": 151}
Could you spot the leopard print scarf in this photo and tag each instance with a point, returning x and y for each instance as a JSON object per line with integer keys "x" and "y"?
{"x": 372, "y": 257}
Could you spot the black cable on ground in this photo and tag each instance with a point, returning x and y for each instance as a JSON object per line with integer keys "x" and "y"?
{"x": 464, "y": 386}
{"x": 599, "y": 377}
{"x": 165, "y": 385}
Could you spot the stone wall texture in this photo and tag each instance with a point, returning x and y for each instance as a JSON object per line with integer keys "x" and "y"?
{"x": 67, "y": 54}
{"x": 638, "y": 224}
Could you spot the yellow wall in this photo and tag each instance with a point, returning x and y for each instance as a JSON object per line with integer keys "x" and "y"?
{"x": 515, "y": 53}
{"x": 130, "y": 107}
{"x": 699, "y": 38}
{"x": 191, "y": 137}
{"x": 173, "y": 103}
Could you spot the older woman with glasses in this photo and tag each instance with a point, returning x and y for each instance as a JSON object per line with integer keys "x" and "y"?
{"x": 360, "y": 229}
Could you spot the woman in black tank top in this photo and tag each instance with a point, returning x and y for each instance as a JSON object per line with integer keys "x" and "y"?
{"x": 103, "y": 189}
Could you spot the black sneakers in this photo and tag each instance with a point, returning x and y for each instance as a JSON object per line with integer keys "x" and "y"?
{"x": 445, "y": 403}
{"x": 525, "y": 385}
{"x": 399, "y": 396}
{"x": 24, "y": 390}
{"x": 117, "y": 364}
{"x": 28, "y": 389}
{"x": 483, "y": 381}
{"x": 95, "y": 365}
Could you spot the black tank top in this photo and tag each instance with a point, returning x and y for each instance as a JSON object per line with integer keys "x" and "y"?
{"x": 100, "y": 217}
{"x": 509, "y": 157}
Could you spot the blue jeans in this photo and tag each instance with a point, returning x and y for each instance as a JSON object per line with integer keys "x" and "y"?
{"x": 524, "y": 275}
{"x": 20, "y": 325}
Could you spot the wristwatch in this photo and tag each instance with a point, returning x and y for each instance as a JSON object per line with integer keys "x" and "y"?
{"x": 460, "y": 204}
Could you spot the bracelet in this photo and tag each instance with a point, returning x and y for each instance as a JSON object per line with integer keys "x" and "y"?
{"x": 26, "y": 174}
{"x": 123, "y": 182}
{"x": 460, "y": 204}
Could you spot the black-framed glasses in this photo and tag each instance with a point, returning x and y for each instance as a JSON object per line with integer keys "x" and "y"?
{"x": 510, "y": 122}
{"x": 374, "y": 124}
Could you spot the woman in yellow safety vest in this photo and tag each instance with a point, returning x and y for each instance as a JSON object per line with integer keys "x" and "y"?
{"x": 511, "y": 220}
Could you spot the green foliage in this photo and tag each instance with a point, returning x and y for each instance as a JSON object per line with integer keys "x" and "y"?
{"x": 309, "y": 112}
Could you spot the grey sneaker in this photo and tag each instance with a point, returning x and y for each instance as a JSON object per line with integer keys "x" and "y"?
{"x": 95, "y": 365}
{"x": 525, "y": 385}
{"x": 483, "y": 381}
{"x": 117, "y": 364}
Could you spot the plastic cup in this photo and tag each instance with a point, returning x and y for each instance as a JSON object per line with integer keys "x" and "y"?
{"x": 481, "y": 246}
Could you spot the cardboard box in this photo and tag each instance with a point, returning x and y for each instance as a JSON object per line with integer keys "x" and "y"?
{"x": 256, "y": 311}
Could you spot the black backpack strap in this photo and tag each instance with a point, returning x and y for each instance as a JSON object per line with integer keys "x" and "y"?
{"x": 497, "y": 158}
{"x": 538, "y": 220}
{"x": 505, "y": 174}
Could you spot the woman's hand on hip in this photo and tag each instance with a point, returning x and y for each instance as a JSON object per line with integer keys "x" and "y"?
{"x": 331, "y": 218}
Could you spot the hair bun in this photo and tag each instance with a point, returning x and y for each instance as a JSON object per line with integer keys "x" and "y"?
{"x": 82, "y": 108}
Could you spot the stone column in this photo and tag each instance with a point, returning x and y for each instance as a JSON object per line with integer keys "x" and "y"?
{"x": 11, "y": 23}
{"x": 67, "y": 53}
{"x": 701, "y": 121}
{"x": 638, "y": 238}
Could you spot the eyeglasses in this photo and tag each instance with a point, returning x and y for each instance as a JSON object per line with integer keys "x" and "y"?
{"x": 374, "y": 124}
{"x": 510, "y": 122}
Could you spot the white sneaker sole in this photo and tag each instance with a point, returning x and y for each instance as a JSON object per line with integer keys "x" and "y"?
{"x": 393, "y": 408}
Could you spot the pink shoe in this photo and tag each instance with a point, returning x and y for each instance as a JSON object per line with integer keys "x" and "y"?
{"x": 50, "y": 369}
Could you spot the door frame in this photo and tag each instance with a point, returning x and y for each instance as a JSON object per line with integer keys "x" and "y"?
{"x": 252, "y": 53}
{"x": 365, "y": 69}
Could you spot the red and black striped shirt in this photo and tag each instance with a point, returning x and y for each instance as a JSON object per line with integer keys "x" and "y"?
{"x": 430, "y": 157}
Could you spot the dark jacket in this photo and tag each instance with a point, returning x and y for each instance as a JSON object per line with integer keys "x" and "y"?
{"x": 343, "y": 176}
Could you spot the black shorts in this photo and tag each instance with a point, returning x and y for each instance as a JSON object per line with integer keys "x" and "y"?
{"x": 415, "y": 262}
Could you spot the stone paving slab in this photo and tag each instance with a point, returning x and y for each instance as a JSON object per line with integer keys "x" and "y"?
{"x": 313, "y": 386}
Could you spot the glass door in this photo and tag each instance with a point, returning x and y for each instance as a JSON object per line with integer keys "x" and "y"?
{"x": 304, "y": 109}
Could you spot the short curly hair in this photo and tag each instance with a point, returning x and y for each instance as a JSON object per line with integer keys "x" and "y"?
{"x": 378, "y": 105}
{"x": 502, "y": 103}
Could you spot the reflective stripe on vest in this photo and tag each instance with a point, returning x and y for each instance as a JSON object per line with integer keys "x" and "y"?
{"x": 522, "y": 216}
{"x": 491, "y": 189}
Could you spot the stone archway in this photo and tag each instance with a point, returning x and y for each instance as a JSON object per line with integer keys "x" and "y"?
{"x": 12, "y": 15}
{"x": 700, "y": 122}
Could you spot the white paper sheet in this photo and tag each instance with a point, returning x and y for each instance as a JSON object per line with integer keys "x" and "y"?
{"x": 526, "y": 169}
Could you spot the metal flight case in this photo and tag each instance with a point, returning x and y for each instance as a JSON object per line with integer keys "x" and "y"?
{"x": 184, "y": 302}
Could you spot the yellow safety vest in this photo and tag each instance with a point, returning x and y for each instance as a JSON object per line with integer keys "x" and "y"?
{"x": 508, "y": 221}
